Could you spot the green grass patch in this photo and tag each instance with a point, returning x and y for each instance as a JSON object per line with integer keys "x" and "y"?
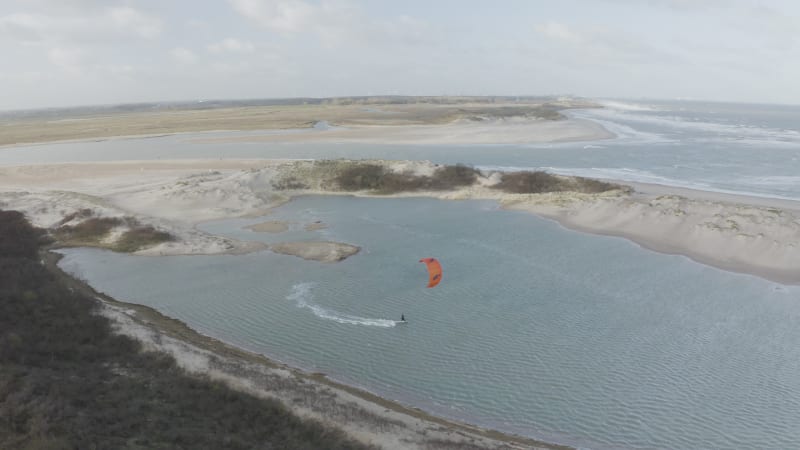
{"x": 141, "y": 237}
{"x": 92, "y": 231}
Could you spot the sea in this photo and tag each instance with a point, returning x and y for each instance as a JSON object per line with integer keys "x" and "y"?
{"x": 727, "y": 147}
{"x": 584, "y": 340}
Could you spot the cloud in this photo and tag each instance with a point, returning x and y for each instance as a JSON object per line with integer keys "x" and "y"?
{"x": 559, "y": 31}
{"x": 334, "y": 23}
{"x": 184, "y": 55}
{"x": 69, "y": 59}
{"x": 600, "y": 46}
{"x": 133, "y": 21}
{"x": 231, "y": 45}
{"x": 108, "y": 24}
{"x": 288, "y": 16}
{"x": 679, "y": 5}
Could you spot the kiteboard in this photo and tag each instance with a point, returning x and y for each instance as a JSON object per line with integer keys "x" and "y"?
{"x": 401, "y": 322}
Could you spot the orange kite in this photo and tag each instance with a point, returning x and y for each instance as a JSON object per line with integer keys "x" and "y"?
{"x": 434, "y": 271}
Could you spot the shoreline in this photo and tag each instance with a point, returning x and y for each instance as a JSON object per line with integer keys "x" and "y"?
{"x": 745, "y": 234}
{"x": 499, "y": 132}
{"x": 430, "y": 119}
{"x": 150, "y": 319}
{"x": 757, "y": 236}
{"x": 167, "y": 327}
{"x": 715, "y": 229}
{"x": 495, "y": 132}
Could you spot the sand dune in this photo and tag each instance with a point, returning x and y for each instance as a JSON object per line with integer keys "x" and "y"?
{"x": 752, "y": 235}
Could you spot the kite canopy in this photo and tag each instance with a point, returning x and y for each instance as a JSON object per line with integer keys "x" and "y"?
{"x": 434, "y": 271}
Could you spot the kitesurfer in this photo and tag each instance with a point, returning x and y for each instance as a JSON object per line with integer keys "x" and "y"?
{"x": 402, "y": 318}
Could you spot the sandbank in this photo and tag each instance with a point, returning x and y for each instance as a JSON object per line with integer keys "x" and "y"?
{"x": 316, "y": 251}
{"x": 753, "y": 235}
{"x": 418, "y": 120}
{"x": 464, "y": 132}
{"x": 270, "y": 226}
{"x": 746, "y": 234}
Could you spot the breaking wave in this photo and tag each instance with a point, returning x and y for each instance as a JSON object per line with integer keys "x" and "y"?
{"x": 622, "y": 119}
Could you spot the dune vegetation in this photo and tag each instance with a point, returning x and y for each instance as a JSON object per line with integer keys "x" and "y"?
{"x": 68, "y": 381}
{"x": 382, "y": 180}
{"x": 92, "y": 231}
{"x": 366, "y": 176}
{"x": 538, "y": 182}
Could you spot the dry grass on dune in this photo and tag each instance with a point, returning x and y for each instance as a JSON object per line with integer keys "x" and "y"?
{"x": 106, "y": 124}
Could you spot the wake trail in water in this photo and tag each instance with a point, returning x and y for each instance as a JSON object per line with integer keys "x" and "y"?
{"x": 301, "y": 294}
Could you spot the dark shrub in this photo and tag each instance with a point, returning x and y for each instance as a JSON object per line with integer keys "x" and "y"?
{"x": 288, "y": 183}
{"x": 449, "y": 177}
{"x": 82, "y": 214}
{"x": 377, "y": 178}
{"x": 530, "y": 183}
{"x": 541, "y": 182}
{"x": 88, "y": 230}
{"x": 137, "y": 238}
{"x": 18, "y": 238}
{"x": 360, "y": 177}
{"x": 591, "y": 186}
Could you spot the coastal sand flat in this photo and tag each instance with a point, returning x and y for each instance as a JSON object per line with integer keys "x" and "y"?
{"x": 271, "y": 226}
{"x": 512, "y": 131}
{"x": 315, "y": 226}
{"x": 316, "y": 251}
{"x": 372, "y": 119}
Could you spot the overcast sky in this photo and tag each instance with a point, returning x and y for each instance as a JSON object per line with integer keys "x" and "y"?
{"x": 75, "y": 52}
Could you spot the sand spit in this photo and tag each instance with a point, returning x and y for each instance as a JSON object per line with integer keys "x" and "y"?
{"x": 271, "y": 226}
{"x": 724, "y": 231}
{"x": 419, "y": 120}
{"x": 318, "y": 225}
{"x": 316, "y": 251}
{"x": 488, "y": 131}
{"x": 743, "y": 234}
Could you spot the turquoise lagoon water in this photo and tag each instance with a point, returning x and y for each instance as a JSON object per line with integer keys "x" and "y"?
{"x": 537, "y": 330}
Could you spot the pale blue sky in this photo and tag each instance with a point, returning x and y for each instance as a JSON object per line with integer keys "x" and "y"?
{"x": 71, "y": 52}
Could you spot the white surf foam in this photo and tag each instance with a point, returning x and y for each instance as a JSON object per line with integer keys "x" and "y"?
{"x": 302, "y": 294}
{"x": 624, "y": 106}
{"x": 611, "y": 121}
{"x": 721, "y": 130}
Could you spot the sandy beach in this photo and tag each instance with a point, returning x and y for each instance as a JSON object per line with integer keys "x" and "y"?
{"x": 412, "y": 120}
{"x": 751, "y": 235}
{"x": 744, "y": 234}
{"x": 754, "y": 235}
{"x": 487, "y": 131}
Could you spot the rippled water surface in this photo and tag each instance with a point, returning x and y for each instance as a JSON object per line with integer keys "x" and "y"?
{"x": 578, "y": 339}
